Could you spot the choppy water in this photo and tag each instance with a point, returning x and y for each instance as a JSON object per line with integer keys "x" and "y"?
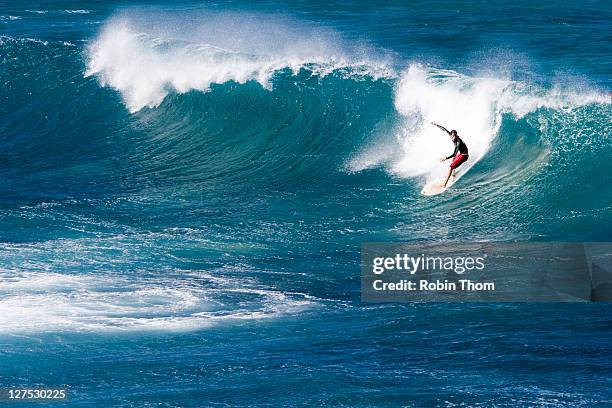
{"x": 185, "y": 188}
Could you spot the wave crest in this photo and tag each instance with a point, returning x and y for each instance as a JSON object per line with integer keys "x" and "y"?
{"x": 144, "y": 64}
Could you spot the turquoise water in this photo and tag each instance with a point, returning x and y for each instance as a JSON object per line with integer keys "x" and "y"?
{"x": 185, "y": 189}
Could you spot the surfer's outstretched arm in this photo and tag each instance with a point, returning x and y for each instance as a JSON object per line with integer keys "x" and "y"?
{"x": 441, "y": 127}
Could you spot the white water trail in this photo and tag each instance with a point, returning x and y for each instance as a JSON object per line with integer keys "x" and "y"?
{"x": 39, "y": 302}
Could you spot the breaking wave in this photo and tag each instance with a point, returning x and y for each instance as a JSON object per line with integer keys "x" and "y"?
{"x": 146, "y": 63}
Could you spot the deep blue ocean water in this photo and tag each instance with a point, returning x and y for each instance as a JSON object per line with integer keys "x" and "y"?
{"x": 185, "y": 188}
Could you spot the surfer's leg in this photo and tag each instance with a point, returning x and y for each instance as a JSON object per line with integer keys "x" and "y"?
{"x": 450, "y": 173}
{"x": 458, "y": 161}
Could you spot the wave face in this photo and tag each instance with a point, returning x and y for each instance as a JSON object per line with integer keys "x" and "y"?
{"x": 145, "y": 61}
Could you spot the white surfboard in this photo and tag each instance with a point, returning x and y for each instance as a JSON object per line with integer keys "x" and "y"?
{"x": 436, "y": 187}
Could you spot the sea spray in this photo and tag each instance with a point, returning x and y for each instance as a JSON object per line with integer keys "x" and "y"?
{"x": 145, "y": 62}
{"x": 472, "y": 105}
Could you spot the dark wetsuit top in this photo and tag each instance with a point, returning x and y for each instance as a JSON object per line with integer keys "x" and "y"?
{"x": 460, "y": 147}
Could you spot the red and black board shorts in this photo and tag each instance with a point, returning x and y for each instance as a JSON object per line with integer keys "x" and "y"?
{"x": 459, "y": 160}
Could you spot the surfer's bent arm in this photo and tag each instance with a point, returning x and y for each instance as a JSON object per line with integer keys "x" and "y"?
{"x": 441, "y": 127}
{"x": 454, "y": 152}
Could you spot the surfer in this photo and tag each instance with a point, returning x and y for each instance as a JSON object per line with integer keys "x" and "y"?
{"x": 460, "y": 154}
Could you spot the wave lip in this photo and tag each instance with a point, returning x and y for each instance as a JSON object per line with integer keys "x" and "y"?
{"x": 145, "y": 64}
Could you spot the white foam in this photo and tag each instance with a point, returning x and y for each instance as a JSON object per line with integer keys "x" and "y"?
{"x": 34, "y": 302}
{"x": 145, "y": 63}
{"x": 77, "y": 11}
{"x": 453, "y": 100}
{"x": 471, "y": 105}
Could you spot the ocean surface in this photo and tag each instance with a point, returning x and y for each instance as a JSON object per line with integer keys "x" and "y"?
{"x": 184, "y": 189}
